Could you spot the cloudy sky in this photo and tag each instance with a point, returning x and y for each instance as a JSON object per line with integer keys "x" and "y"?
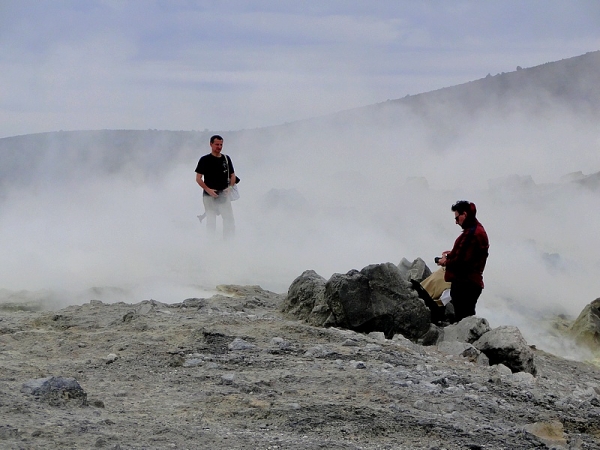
{"x": 226, "y": 65}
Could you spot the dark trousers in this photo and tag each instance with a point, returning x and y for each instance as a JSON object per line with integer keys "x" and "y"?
{"x": 464, "y": 298}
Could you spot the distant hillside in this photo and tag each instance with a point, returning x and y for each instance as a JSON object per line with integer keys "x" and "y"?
{"x": 548, "y": 92}
{"x": 67, "y": 154}
{"x": 571, "y": 84}
{"x": 440, "y": 116}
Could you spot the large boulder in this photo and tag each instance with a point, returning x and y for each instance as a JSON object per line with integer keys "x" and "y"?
{"x": 305, "y": 299}
{"x": 505, "y": 345}
{"x": 377, "y": 298}
{"x": 586, "y": 328}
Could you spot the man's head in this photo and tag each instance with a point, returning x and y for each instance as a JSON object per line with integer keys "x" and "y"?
{"x": 464, "y": 211}
{"x": 216, "y": 144}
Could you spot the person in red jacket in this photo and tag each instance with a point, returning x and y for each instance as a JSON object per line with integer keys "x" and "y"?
{"x": 466, "y": 261}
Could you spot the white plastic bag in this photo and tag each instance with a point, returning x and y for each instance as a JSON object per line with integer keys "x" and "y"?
{"x": 234, "y": 194}
{"x": 445, "y": 297}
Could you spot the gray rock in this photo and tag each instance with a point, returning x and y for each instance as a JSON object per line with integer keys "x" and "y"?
{"x": 505, "y": 345}
{"x": 280, "y": 343}
{"x": 193, "y": 362}
{"x": 7, "y": 432}
{"x": 418, "y": 271}
{"x": 465, "y": 350}
{"x": 377, "y": 299}
{"x": 228, "y": 378}
{"x": 523, "y": 378}
{"x": 432, "y": 337}
{"x": 404, "y": 266}
{"x": 146, "y": 307}
{"x": 195, "y": 302}
{"x": 318, "y": 351}
{"x": 482, "y": 360}
{"x": 358, "y": 364}
{"x": 454, "y": 347}
{"x": 372, "y": 347}
{"x": 240, "y": 344}
{"x": 467, "y": 330}
{"x": 500, "y": 370}
{"x": 377, "y": 335}
{"x": 56, "y": 391}
{"x": 305, "y": 299}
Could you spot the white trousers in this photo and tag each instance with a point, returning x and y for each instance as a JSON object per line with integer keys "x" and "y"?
{"x": 219, "y": 206}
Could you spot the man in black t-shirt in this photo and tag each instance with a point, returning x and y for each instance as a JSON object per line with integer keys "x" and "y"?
{"x": 216, "y": 176}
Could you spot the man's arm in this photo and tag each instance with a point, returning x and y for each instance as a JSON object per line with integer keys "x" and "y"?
{"x": 203, "y": 185}
{"x": 231, "y": 184}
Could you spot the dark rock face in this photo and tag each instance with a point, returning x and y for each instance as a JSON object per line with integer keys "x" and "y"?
{"x": 377, "y": 299}
{"x": 505, "y": 345}
{"x": 56, "y": 391}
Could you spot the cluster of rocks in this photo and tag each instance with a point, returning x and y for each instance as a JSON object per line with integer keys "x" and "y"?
{"x": 380, "y": 298}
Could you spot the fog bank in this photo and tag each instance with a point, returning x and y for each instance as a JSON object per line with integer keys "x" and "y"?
{"x": 117, "y": 221}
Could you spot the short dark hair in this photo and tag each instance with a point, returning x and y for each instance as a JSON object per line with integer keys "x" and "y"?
{"x": 463, "y": 206}
{"x": 214, "y": 138}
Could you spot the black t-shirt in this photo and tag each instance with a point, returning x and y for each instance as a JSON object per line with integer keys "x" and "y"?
{"x": 214, "y": 171}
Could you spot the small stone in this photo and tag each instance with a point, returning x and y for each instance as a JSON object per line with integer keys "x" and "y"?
{"x": 378, "y": 335}
{"x": 194, "y": 362}
{"x": 56, "y": 391}
{"x": 240, "y": 344}
{"x": 228, "y": 378}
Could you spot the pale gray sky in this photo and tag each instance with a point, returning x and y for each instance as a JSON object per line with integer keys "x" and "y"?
{"x": 226, "y": 65}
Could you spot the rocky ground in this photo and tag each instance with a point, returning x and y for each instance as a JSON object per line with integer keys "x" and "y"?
{"x": 231, "y": 372}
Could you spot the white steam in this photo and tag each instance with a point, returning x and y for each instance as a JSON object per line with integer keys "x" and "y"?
{"x": 329, "y": 197}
